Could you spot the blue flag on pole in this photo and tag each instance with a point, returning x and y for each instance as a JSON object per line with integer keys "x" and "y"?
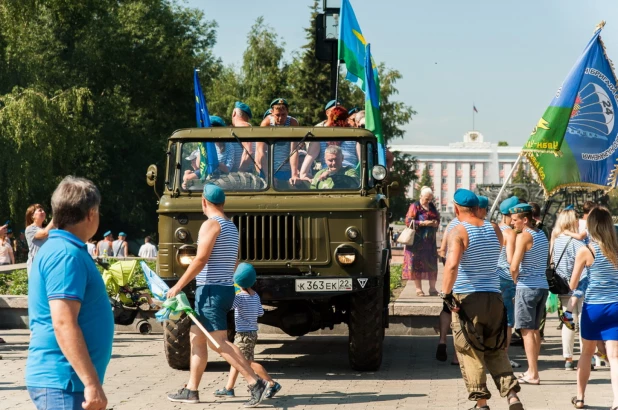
{"x": 208, "y": 152}
{"x": 351, "y": 46}
{"x": 373, "y": 119}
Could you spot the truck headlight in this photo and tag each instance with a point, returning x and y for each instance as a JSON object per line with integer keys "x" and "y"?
{"x": 346, "y": 255}
{"x": 186, "y": 254}
{"x": 182, "y": 234}
{"x": 352, "y": 233}
{"x": 378, "y": 172}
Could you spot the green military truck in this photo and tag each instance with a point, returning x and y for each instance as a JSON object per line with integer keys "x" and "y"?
{"x": 321, "y": 251}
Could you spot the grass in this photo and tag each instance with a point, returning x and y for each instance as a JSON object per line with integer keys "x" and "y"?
{"x": 396, "y": 277}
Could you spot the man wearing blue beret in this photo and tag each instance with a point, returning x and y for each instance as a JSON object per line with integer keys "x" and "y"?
{"x": 120, "y": 246}
{"x": 104, "y": 247}
{"x": 472, "y": 289}
{"x": 242, "y": 156}
{"x": 527, "y": 268}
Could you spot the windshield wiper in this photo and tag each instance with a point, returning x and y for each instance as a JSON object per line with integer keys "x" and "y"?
{"x": 293, "y": 152}
{"x": 245, "y": 149}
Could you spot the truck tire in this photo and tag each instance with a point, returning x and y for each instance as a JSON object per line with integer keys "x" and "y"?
{"x": 244, "y": 181}
{"x": 176, "y": 342}
{"x": 366, "y": 330}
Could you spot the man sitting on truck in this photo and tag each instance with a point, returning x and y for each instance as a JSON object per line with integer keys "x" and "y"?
{"x": 329, "y": 177}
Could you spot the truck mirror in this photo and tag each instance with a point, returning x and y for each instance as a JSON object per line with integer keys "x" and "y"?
{"x": 151, "y": 175}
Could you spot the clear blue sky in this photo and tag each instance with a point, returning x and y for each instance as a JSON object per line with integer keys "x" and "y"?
{"x": 507, "y": 58}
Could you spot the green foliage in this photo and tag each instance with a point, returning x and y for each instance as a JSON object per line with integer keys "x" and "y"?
{"x": 14, "y": 283}
{"x": 522, "y": 177}
{"x": 426, "y": 179}
{"x": 503, "y": 144}
{"x": 395, "y": 277}
{"x": 403, "y": 173}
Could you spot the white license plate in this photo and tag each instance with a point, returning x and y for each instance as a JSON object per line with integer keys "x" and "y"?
{"x": 323, "y": 285}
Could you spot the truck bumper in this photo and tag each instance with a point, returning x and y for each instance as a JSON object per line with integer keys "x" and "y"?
{"x": 279, "y": 287}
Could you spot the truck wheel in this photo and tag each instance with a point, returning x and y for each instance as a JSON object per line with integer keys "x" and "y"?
{"x": 239, "y": 181}
{"x": 176, "y": 342}
{"x": 366, "y": 330}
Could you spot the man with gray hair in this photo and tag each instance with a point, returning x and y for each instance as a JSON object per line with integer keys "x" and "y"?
{"x": 71, "y": 323}
{"x": 335, "y": 175}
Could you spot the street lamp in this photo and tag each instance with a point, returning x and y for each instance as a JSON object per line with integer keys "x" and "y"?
{"x": 331, "y": 19}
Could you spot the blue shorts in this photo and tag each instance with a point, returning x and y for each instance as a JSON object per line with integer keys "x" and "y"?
{"x": 598, "y": 322}
{"x": 507, "y": 287}
{"x": 57, "y": 399}
{"x": 529, "y": 307}
{"x": 212, "y": 304}
{"x": 581, "y": 287}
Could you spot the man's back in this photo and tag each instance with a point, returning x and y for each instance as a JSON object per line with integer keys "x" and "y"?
{"x": 147, "y": 250}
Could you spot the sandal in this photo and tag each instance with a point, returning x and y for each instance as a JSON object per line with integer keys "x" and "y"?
{"x": 578, "y": 404}
{"x": 420, "y": 293}
{"x": 485, "y": 407}
{"x": 434, "y": 293}
{"x": 523, "y": 380}
{"x": 516, "y": 405}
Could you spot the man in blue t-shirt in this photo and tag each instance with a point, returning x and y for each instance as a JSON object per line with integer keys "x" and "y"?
{"x": 71, "y": 322}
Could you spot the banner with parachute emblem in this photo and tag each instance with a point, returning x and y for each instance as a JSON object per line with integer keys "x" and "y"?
{"x": 579, "y": 127}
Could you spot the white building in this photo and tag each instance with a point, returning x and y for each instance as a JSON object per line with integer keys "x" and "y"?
{"x": 461, "y": 165}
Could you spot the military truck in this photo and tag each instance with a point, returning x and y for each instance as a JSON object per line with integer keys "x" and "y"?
{"x": 321, "y": 251}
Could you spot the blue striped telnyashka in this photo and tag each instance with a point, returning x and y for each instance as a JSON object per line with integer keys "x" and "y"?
{"x": 504, "y": 270}
{"x": 451, "y": 225}
{"x": 477, "y": 269}
{"x": 603, "y": 276}
{"x": 532, "y": 269}
{"x": 219, "y": 270}
{"x": 247, "y": 308}
{"x": 565, "y": 268}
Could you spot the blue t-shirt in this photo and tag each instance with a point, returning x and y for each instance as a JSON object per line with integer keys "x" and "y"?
{"x": 64, "y": 270}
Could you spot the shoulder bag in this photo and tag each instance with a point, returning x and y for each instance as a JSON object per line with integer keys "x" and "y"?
{"x": 557, "y": 284}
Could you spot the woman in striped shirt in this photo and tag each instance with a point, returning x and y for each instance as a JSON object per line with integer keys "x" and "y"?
{"x": 600, "y": 308}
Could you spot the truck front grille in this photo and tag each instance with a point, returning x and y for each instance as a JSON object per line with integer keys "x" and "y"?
{"x": 281, "y": 238}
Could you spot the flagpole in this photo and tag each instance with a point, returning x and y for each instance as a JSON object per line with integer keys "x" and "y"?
{"x": 506, "y": 181}
{"x": 473, "y": 116}
{"x": 337, "y": 80}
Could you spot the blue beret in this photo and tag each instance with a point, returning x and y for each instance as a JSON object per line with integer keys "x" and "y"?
{"x": 214, "y": 194}
{"x": 216, "y": 121}
{"x": 465, "y": 197}
{"x": 9, "y": 230}
{"x": 508, "y": 204}
{"x": 520, "y": 208}
{"x": 483, "y": 201}
{"x": 267, "y": 113}
{"x": 569, "y": 208}
{"x": 353, "y": 111}
{"x": 245, "y": 275}
{"x": 278, "y": 101}
{"x": 332, "y": 103}
{"x": 122, "y": 234}
{"x": 108, "y": 233}
{"x": 244, "y": 108}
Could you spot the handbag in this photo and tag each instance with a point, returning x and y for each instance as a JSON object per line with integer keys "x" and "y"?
{"x": 557, "y": 284}
{"x": 407, "y": 235}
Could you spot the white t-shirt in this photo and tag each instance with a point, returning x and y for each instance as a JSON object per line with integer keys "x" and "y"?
{"x": 147, "y": 250}
{"x": 91, "y": 247}
{"x": 5, "y": 252}
{"x": 582, "y": 225}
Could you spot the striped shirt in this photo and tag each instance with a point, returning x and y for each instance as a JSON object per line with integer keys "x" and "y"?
{"x": 282, "y": 149}
{"x": 239, "y": 150}
{"x": 565, "y": 268}
{"x": 451, "y": 225}
{"x": 603, "y": 287}
{"x": 226, "y": 157}
{"x": 219, "y": 270}
{"x": 504, "y": 269}
{"x": 477, "y": 268}
{"x": 532, "y": 269}
{"x": 247, "y": 308}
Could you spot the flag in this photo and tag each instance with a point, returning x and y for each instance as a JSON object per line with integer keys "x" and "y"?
{"x": 579, "y": 127}
{"x": 173, "y": 308}
{"x": 208, "y": 152}
{"x": 474, "y": 108}
{"x": 156, "y": 285}
{"x": 351, "y": 45}
{"x": 373, "y": 120}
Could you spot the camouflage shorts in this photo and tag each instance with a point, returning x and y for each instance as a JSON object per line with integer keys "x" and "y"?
{"x": 246, "y": 343}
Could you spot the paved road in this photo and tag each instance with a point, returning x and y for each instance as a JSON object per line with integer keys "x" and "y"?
{"x": 314, "y": 373}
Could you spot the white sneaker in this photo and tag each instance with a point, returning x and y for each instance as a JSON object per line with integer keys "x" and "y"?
{"x": 514, "y": 364}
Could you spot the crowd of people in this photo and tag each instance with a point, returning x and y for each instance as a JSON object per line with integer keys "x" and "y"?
{"x": 495, "y": 288}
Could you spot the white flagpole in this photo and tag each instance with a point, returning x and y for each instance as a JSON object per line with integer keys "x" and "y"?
{"x": 506, "y": 181}
{"x": 203, "y": 329}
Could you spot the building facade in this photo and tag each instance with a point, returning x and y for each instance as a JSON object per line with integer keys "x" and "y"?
{"x": 464, "y": 164}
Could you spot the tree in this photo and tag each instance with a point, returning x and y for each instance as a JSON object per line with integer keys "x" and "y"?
{"x": 522, "y": 177}
{"x": 402, "y": 167}
{"x": 426, "y": 179}
{"x": 503, "y": 144}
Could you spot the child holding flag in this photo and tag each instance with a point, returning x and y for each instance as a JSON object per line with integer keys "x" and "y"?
{"x": 247, "y": 308}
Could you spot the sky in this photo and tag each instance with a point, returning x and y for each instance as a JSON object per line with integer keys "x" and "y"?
{"x": 506, "y": 58}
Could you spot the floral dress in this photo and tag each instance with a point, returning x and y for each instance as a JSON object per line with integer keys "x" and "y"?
{"x": 420, "y": 260}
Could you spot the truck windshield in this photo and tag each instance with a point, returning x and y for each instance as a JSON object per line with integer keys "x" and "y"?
{"x": 322, "y": 164}
{"x": 229, "y": 164}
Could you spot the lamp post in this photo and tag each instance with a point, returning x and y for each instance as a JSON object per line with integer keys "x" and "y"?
{"x": 327, "y": 38}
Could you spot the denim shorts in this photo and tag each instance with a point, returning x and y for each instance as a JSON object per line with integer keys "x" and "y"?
{"x": 529, "y": 307}
{"x": 212, "y": 304}
{"x": 580, "y": 291}
{"x": 507, "y": 287}
{"x": 55, "y": 399}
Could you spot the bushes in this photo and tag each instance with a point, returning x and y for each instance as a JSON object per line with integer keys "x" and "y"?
{"x": 395, "y": 277}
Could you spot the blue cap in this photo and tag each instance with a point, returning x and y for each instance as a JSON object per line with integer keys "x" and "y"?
{"x": 465, "y": 197}
{"x": 483, "y": 201}
{"x": 108, "y": 233}
{"x": 353, "y": 111}
{"x": 508, "y": 204}
{"x": 278, "y": 101}
{"x": 122, "y": 234}
{"x": 245, "y": 275}
{"x": 267, "y": 113}
{"x": 213, "y": 194}
{"x": 244, "y": 108}
{"x": 332, "y": 103}
{"x": 216, "y": 121}
{"x": 520, "y": 208}
{"x": 569, "y": 208}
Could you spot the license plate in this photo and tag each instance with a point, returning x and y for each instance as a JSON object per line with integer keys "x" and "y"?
{"x": 323, "y": 285}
